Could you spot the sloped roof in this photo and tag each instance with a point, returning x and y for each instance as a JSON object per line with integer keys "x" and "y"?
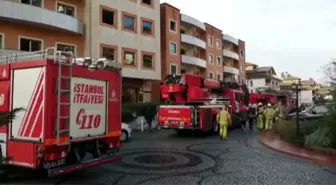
{"x": 262, "y": 70}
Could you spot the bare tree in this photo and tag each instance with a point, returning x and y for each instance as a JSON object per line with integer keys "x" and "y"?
{"x": 330, "y": 72}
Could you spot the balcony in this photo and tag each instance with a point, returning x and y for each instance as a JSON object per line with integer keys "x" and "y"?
{"x": 230, "y": 54}
{"x": 39, "y": 16}
{"x": 193, "y": 61}
{"x": 189, "y": 20}
{"x": 193, "y": 41}
{"x": 231, "y": 70}
{"x": 231, "y": 39}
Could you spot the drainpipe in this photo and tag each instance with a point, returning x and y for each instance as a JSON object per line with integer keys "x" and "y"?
{"x": 91, "y": 28}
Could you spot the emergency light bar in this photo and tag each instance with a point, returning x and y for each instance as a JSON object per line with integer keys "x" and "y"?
{"x": 99, "y": 63}
{"x": 87, "y": 61}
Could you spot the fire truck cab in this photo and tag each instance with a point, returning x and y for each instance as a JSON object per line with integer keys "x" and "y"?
{"x": 72, "y": 111}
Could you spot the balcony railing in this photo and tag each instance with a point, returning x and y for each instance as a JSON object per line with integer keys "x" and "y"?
{"x": 231, "y": 39}
{"x": 193, "y": 61}
{"x": 193, "y": 41}
{"x": 190, "y": 20}
{"x": 232, "y": 70}
{"x": 39, "y": 16}
{"x": 230, "y": 54}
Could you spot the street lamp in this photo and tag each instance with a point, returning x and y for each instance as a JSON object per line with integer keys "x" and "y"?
{"x": 296, "y": 87}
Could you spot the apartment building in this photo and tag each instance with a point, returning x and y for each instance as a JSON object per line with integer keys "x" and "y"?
{"x": 33, "y": 25}
{"x": 127, "y": 31}
{"x": 191, "y": 46}
{"x": 234, "y": 59}
{"x": 261, "y": 77}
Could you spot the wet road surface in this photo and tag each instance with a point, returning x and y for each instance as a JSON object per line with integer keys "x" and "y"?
{"x": 165, "y": 158}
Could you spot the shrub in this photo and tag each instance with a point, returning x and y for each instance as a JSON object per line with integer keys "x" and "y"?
{"x": 320, "y": 138}
{"x": 287, "y": 130}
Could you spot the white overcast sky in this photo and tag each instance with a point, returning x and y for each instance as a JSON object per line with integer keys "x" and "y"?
{"x": 297, "y": 36}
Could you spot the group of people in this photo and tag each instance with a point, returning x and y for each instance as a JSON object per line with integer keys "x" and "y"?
{"x": 268, "y": 114}
{"x": 264, "y": 114}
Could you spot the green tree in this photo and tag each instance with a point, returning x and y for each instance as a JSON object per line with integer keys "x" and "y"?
{"x": 5, "y": 118}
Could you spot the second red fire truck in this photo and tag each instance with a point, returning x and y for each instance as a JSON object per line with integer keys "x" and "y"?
{"x": 195, "y": 102}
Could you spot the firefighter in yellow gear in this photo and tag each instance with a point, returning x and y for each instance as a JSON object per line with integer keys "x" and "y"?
{"x": 223, "y": 119}
{"x": 260, "y": 118}
{"x": 276, "y": 113}
{"x": 269, "y": 116}
{"x": 281, "y": 111}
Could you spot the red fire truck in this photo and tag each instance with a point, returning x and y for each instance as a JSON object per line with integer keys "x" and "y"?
{"x": 72, "y": 107}
{"x": 268, "y": 95}
{"x": 195, "y": 102}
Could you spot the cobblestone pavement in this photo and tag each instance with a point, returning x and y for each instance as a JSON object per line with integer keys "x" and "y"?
{"x": 164, "y": 158}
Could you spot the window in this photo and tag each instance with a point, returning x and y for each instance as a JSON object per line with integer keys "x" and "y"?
{"x": 218, "y": 77}
{"x": 147, "y": 2}
{"x": 172, "y": 25}
{"x": 211, "y": 59}
{"x": 251, "y": 83}
{"x": 147, "y": 60}
{"x": 129, "y": 57}
{"x": 109, "y": 53}
{"x": 147, "y": 27}
{"x": 37, "y": 3}
{"x": 64, "y": 47}
{"x": 241, "y": 53}
{"x": 211, "y": 75}
{"x": 218, "y": 44}
{"x": 30, "y": 45}
{"x": 210, "y": 41}
{"x": 66, "y": 9}
{"x": 1, "y": 41}
{"x": 109, "y": 17}
{"x": 173, "y": 69}
{"x": 218, "y": 61}
{"x": 276, "y": 83}
{"x": 242, "y": 68}
{"x": 172, "y": 48}
{"x": 129, "y": 22}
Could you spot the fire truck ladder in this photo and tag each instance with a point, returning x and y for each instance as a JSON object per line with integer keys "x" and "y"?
{"x": 64, "y": 61}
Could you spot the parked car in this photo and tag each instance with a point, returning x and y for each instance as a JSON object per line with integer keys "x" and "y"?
{"x": 310, "y": 113}
{"x": 125, "y": 132}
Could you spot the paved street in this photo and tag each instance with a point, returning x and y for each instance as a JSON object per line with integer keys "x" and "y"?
{"x": 165, "y": 158}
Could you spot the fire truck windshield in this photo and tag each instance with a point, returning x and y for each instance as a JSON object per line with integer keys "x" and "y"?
{"x": 173, "y": 79}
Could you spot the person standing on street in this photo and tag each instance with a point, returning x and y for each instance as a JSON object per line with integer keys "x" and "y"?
{"x": 260, "y": 114}
{"x": 251, "y": 115}
{"x": 269, "y": 116}
{"x": 223, "y": 119}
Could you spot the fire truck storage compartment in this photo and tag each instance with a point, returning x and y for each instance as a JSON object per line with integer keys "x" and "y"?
{"x": 28, "y": 92}
{"x": 206, "y": 122}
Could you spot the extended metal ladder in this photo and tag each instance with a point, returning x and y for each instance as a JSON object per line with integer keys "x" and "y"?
{"x": 64, "y": 61}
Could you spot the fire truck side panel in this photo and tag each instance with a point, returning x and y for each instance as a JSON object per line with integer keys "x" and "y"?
{"x": 88, "y": 108}
{"x": 28, "y": 88}
{"x": 102, "y": 106}
{"x": 4, "y": 105}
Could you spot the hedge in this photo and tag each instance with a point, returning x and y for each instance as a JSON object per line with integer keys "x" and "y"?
{"x": 287, "y": 130}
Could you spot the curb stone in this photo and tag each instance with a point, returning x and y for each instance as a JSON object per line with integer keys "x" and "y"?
{"x": 274, "y": 142}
